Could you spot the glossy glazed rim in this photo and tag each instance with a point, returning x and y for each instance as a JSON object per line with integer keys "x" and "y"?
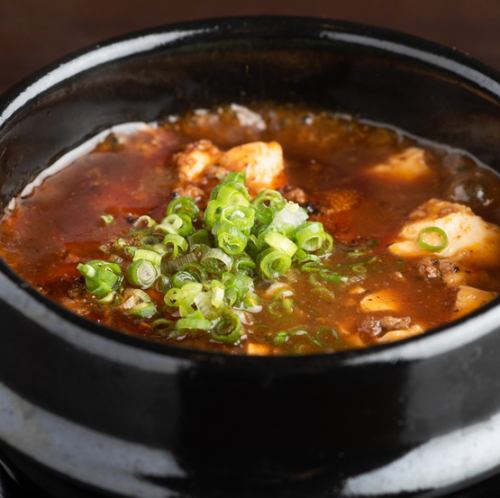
{"x": 413, "y": 50}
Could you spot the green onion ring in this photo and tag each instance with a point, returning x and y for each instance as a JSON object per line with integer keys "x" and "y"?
{"x": 228, "y": 329}
{"x": 431, "y": 247}
{"x": 142, "y": 274}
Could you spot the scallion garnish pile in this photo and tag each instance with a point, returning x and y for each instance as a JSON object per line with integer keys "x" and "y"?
{"x": 206, "y": 265}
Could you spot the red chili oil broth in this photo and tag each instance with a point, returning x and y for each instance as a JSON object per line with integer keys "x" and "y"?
{"x": 59, "y": 225}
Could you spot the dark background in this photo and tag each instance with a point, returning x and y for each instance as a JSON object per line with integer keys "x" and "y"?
{"x": 35, "y": 32}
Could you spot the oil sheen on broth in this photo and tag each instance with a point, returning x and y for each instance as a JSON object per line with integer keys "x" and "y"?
{"x": 414, "y": 226}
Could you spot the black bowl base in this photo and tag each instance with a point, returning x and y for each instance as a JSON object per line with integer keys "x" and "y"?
{"x": 14, "y": 485}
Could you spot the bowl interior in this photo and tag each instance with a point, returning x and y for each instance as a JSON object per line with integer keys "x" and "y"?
{"x": 374, "y": 74}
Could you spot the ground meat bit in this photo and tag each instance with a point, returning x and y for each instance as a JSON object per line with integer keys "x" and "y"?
{"x": 71, "y": 258}
{"x": 395, "y": 323}
{"x": 378, "y": 326}
{"x": 446, "y": 267}
{"x": 335, "y": 201}
{"x": 433, "y": 268}
{"x": 370, "y": 326}
{"x": 429, "y": 268}
{"x": 75, "y": 293}
{"x": 77, "y": 305}
{"x": 295, "y": 194}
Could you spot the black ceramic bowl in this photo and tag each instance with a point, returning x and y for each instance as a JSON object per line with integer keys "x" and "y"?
{"x": 86, "y": 409}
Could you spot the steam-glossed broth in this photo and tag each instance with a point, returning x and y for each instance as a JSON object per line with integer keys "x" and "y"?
{"x": 366, "y": 184}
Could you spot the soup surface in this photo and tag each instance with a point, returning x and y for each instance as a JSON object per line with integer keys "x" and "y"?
{"x": 328, "y": 234}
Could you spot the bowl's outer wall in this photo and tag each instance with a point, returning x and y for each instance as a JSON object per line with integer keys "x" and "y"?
{"x": 255, "y": 425}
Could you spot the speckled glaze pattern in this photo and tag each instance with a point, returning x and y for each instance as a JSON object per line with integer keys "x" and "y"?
{"x": 87, "y": 410}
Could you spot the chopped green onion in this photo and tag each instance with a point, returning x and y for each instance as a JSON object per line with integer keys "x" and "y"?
{"x": 108, "y": 298}
{"x": 137, "y": 303}
{"x": 310, "y": 236}
{"x": 150, "y": 240}
{"x": 312, "y": 266}
{"x": 176, "y": 223}
{"x": 287, "y": 304}
{"x": 274, "y": 308}
{"x": 231, "y": 240}
{"x": 302, "y": 256}
{"x": 278, "y": 241}
{"x": 243, "y": 263}
{"x": 327, "y": 245}
{"x": 207, "y": 266}
{"x": 287, "y": 219}
{"x": 187, "y": 225}
{"x": 184, "y": 298}
{"x": 162, "y": 326}
{"x": 216, "y": 290}
{"x": 216, "y": 261}
{"x": 211, "y": 302}
{"x": 274, "y": 263}
{"x": 107, "y": 219}
{"x": 101, "y": 277}
{"x": 201, "y": 236}
{"x": 281, "y": 307}
{"x": 120, "y": 245}
{"x": 279, "y": 289}
{"x": 147, "y": 255}
{"x": 212, "y": 213}
{"x": 193, "y": 321}
{"x": 281, "y": 338}
{"x": 197, "y": 271}
{"x": 182, "y": 277}
{"x": 325, "y": 334}
{"x": 228, "y": 195}
{"x": 228, "y": 329}
{"x": 331, "y": 276}
{"x": 163, "y": 284}
{"x": 236, "y": 287}
{"x": 433, "y": 232}
{"x": 314, "y": 280}
{"x": 160, "y": 249}
{"x": 144, "y": 221}
{"x": 363, "y": 250}
{"x": 251, "y": 303}
{"x": 324, "y": 294}
{"x": 175, "y": 243}
{"x": 230, "y": 192}
{"x": 359, "y": 268}
{"x": 267, "y": 203}
{"x": 183, "y": 205}
{"x": 241, "y": 217}
{"x": 170, "y": 224}
{"x": 179, "y": 262}
{"x": 142, "y": 273}
{"x": 253, "y": 246}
